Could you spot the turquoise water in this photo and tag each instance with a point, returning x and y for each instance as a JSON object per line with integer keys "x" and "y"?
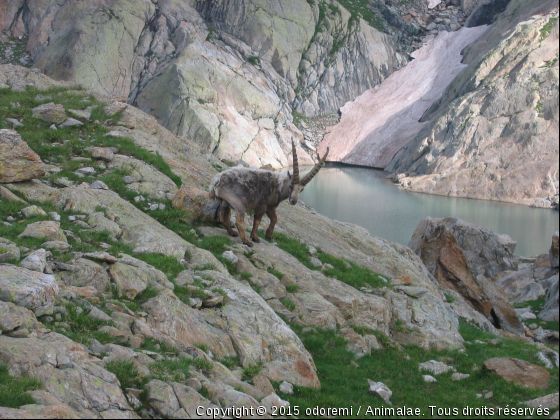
{"x": 363, "y": 196}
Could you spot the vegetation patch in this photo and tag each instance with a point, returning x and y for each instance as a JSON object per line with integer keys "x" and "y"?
{"x": 126, "y": 373}
{"x": 13, "y": 389}
{"x": 175, "y": 370}
{"x": 251, "y": 371}
{"x": 344, "y": 379}
{"x": 547, "y": 29}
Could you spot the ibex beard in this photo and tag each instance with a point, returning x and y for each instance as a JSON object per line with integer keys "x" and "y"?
{"x": 258, "y": 190}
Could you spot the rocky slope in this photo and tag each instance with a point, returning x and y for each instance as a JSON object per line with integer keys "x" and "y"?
{"x": 121, "y": 307}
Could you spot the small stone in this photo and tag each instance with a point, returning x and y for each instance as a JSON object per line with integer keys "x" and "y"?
{"x": 312, "y": 250}
{"x": 139, "y": 198}
{"x": 230, "y": 256}
{"x": 63, "y": 182}
{"x": 316, "y": 262}
{"x": 32, "y": 211}
{"x": 87, "y": 171}
{"x": 71, "y": 122}
{"x": 103, "y": 153}
{"x": 99, "y": 185}
{"x": 381, "y": 390}
{"x": 153, "y": 206}
{"x": 55, "y": 216}
{"x": 286, "y": 388}
{"x": 131, "y": 179}
{"x": 53, "y": 127}
{"x": 429, "y": 378}
{"x": 459, "y": 376}
{"x": 161, "y": 206}
{"x": 71, "y": 218}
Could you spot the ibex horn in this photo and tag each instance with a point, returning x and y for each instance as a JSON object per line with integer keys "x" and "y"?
{"x": 295, "y": 178}
{"x": 315, "y": 169}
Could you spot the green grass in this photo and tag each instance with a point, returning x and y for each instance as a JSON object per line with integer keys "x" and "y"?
{"x": 344, "y": 383}
{"x": 253, "y": 370}
{"x": 536, "y": 306}
{"x": 152, "y": 344}
{"x": 231, "y": 362}
{"x": 289, "y": 304}
{"x": 13, "y": 389}
{"x": 176, "y": 370}
{"x": 360, "y": 8}
{"x": 547, "y": 29}
{"x": 292, "y": 288}
{"x": 126, "y": 373}
{"x": 276, "y": 273}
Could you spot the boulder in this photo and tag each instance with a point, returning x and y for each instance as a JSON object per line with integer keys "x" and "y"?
{"x": 17, "y": 161}
{"x": 83, "y": 273}
{"x": 548, "y": 401}
{"x": 13, "y": 316}
{"x": 519, "y": 371}
{"x": 520, "y": 286}
{"x": 36, "y": 261}
{"x": 103, "y": 153}
{"x": 50, "y": 112}
{"x": 133, "y": 276}
{"x": 32, "y": 211}
{"x": 100, "y": 223}
{"x": 30, "y": 289}
{"x": 168, "y": 315}
{"x": 462, "y": 256}
{"x": 196, "y": 202}
{"x": 48, "y": 229}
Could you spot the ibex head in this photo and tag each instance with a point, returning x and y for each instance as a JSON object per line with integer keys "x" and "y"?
{"x": 297, "y": 185}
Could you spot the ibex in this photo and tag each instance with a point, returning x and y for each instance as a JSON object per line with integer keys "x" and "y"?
{"x": 243, "y": 190}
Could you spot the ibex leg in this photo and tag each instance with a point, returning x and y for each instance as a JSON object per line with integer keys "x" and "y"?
{"x": 256, "y": 221}
{"x": 240, "y": 223}
{"x": 273, "y": 218}
{"x": 225, "y": 216}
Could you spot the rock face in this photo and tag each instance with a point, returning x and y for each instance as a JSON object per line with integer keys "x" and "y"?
{"x": 494, "y": 133}
{"x": 519, "y": 371}
{"x": 17, "y": 161}
{"x": 453, "y": 252}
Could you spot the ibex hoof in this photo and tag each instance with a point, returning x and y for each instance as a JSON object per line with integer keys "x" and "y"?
{"x": 248, "y": 243}
{"x": 234, "y": 234}
{"x": 268, "y": 238}
{"x": 256, "y": 239}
